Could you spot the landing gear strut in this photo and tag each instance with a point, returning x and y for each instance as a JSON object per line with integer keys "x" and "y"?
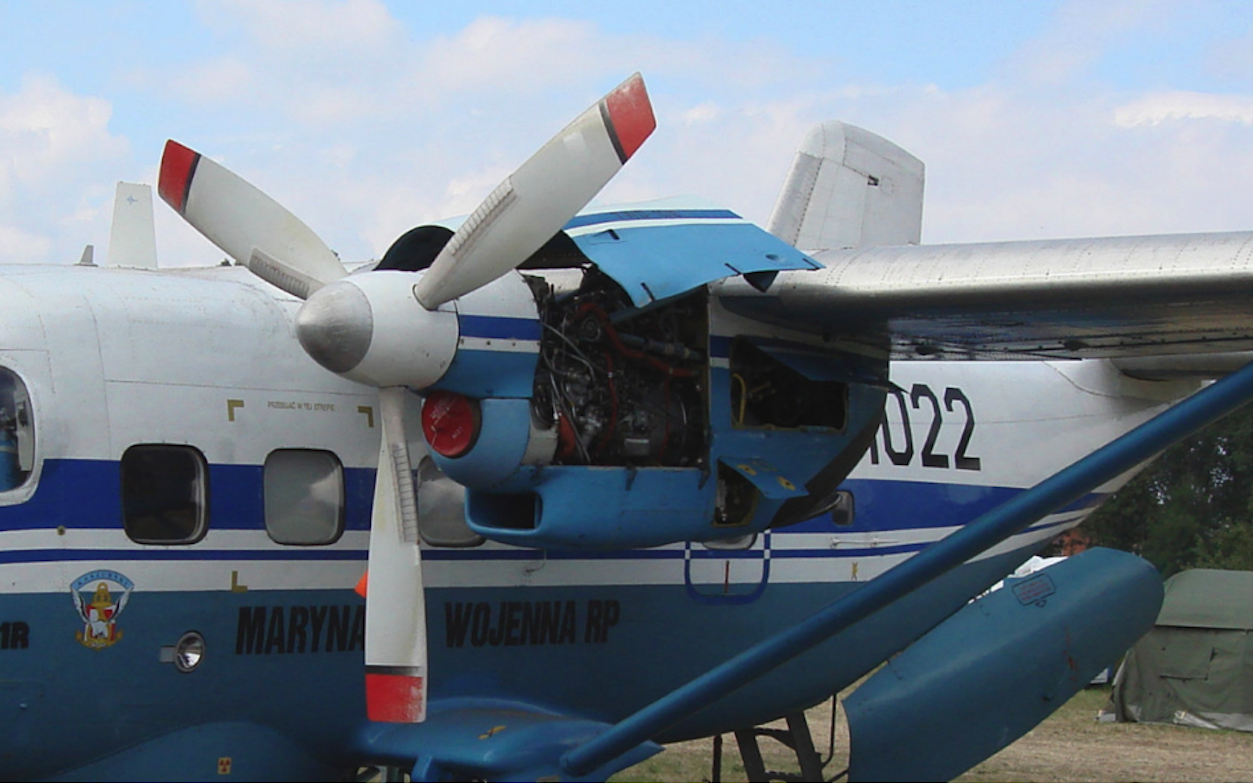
{"x": 796, "y": 737}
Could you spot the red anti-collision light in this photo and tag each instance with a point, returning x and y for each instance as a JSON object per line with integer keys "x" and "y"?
{"x": 450, "y": 422}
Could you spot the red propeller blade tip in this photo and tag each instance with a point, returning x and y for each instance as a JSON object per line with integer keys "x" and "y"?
{"x": 178, "y": 166}
{"x": 363, "y": 584}
{"x": 630, "y": 115}
{"x": 394, "y": 697}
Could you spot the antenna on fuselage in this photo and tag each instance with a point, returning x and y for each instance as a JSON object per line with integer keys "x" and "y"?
{"x": 133, "y": 238}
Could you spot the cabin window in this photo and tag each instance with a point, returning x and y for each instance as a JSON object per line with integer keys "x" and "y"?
{"x": 442, "y": 509}
{"x": 17, "y": 432}
{"x": 165, "y": 494}
{"x": 304, "y": 497}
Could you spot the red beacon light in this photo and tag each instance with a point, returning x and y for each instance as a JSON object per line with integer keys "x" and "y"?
{"x": 450, "y": 422}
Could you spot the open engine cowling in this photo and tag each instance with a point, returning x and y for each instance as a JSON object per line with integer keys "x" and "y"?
{"x": 636, "y": 427}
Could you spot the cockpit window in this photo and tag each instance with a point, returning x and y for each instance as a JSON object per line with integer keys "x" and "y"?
{"x": 17, "y": 432}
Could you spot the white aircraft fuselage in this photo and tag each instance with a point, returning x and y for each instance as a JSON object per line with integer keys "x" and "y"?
{"x": 100, "y": 605}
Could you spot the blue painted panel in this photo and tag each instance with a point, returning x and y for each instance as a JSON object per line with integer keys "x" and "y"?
{"x": 763, "y": 475}
{"x": 313, "y": 697}
{"x": 605, "y": 508}
{"x": 230, "y": 750}
{"x": 84, "y": 705}
{"x": 661, "y": 623}
{"x": 485, "y": 373}
{"x": 657, "y": 262}
{"x": 987, "y": 675}
{"x": 491, "y": 739}
{"x": 745, "y": 585}
{"x": 505, "y": 425}
{"x": 494, "y": 327}
{"x": 797, "y": 454}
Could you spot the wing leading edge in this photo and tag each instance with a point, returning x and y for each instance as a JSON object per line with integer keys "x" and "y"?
{"x": 1082, "y": 298}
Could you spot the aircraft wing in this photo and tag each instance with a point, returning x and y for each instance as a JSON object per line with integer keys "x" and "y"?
{"x": 1082, "y": 298}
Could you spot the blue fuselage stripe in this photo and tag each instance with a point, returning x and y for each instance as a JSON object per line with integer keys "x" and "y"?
{"x": 492, "y": 327}
{"x": 237, "y": 503}
{"x": 86, "y": 494}
{"x": 180, "y": 553}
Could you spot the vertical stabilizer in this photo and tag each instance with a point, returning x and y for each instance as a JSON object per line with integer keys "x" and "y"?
{"x": 133, "y": 239}
{"x": 849, "y": 188}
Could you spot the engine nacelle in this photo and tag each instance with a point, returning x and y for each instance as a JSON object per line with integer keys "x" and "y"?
{"x": 645, "y": 426}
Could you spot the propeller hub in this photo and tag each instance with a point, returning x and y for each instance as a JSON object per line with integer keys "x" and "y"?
{"x": 371, "y": 329}
{"x": 336, "y": 326}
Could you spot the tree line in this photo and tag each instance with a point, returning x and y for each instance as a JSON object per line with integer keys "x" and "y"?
{"x": 1192, "y": 507}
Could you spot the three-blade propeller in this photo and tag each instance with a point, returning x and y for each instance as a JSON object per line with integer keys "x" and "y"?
{"x": 515, "y": 220}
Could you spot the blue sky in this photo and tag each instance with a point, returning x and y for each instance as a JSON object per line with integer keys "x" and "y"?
{"x": 1035, "y": 119}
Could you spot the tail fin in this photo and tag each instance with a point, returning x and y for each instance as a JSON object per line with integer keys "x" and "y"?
{"x": 133, "y": 239}
{"x": 849, "y": 188}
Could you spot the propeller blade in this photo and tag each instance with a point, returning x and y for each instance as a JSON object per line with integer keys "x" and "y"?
{"x": 534, "y": 202}
{"x": 395, "y": 611}
{"x": 245, "y": 223}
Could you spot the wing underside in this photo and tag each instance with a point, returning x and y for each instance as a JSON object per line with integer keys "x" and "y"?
{"x": 1114, "y": 297}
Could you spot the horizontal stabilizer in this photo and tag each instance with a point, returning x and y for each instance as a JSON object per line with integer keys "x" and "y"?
{"x": 991, "y": 672}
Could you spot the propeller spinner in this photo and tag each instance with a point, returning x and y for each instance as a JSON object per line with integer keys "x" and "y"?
{"x": 383, "y": 329}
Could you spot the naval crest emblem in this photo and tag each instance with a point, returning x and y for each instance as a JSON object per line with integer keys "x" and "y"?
{"x": 100, "y": 596}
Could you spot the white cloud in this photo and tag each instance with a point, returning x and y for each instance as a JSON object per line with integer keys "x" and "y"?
{"x": 528, "y": 56}
{"x": 1164, "y": 107}
{"x": 1003, "y": 165}
{"x": 1233, "y": 57}
{"x": 433, "y": 128}
{"x": 322, "y": 29}
{"x": 18, "y": 246}
{"x": 217, "y": 81}
{"x": 305, "y": 62}
{"x": 369, "y": 133}
{"x": 55, "y": 151}
{"x": 1080, "y": 33}
{"x": 701, "y": 113}
{"x": 44, "y": 129}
